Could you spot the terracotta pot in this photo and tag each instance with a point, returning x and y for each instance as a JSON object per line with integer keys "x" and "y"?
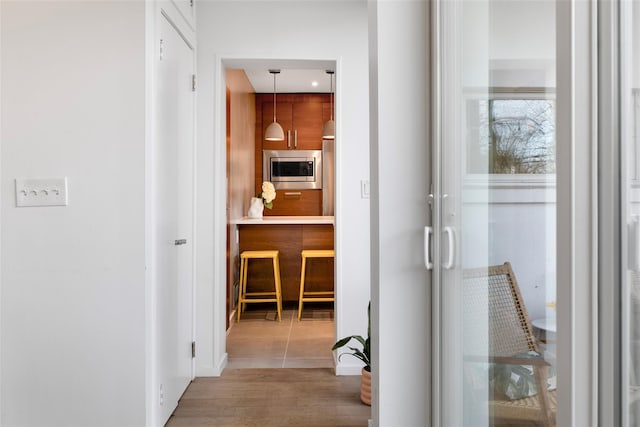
{"x": 365, "y": 387}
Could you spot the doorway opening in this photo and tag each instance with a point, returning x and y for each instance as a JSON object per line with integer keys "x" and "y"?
{"x": 300, "y": 218}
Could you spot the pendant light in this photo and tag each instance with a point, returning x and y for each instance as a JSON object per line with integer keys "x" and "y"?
{"x": 329, "y": 128}
{"x": 274, "y": 132}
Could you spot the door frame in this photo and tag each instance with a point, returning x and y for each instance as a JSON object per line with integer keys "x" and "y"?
{"x": 211, "y": 310}
{"x": 577, "y": 218}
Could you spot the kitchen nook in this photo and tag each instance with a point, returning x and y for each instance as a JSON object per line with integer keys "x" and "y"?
{"x": 281, "y": 223}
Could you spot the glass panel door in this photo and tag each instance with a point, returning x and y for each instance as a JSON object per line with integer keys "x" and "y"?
{"x": 630, "y": 137}
{"x": 494, "y": 213}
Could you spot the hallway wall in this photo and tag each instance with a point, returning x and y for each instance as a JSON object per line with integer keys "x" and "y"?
{"x": 73, "y": 278}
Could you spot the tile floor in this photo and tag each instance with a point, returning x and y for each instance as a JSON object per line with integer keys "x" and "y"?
{"x": 260, "y": 341}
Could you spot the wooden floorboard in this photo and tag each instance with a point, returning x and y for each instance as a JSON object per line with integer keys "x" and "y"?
{"x": 272, "y": 397}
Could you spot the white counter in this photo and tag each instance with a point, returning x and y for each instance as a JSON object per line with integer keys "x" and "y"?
{"x": 285, "y": 220}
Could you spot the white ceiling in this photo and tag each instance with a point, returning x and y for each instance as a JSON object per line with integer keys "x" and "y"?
{"x": 290, "y": 80}
{"x": 294, "y": 76}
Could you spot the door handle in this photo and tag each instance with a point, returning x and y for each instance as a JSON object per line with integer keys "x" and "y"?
{"x": 289, "y": 139}
{"x": 428, "y": 234}
{"x": 451, "y": 247}
{"x": 180, "y": 242}
{"x": 295, "y": 138}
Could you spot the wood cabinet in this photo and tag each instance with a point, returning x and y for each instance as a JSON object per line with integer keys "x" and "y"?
{"x": 296, "y": 203}
{"x": 290, "y": 240}
{"x": 300, "y": 115}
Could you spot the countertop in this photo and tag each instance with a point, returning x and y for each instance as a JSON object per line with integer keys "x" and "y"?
{"x": 280, "y": 220}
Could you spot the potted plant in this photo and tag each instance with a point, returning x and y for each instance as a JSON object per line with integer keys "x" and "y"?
{"x": 363, "y": 354}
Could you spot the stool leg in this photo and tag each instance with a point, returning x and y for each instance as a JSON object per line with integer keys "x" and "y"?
{"x": 300, "y": 299}
{"x": 276, "y": 277}
{"x": 243, "y": 285}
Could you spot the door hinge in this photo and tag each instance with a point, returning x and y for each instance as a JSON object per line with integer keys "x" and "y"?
{"x": 193, "y": 82}
{"x": 161, "y": 49}
{"x": 191, "y": 3}
{"x": 193, "y": 349}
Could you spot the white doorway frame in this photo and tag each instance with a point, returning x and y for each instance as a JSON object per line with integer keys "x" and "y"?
{"x": 211, "y": 305}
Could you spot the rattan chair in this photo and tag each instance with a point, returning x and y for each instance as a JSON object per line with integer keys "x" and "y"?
{"x": 496, "y": 329}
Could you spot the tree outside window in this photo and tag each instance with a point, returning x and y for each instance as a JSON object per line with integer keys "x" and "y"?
{"x": 512, "y": 136}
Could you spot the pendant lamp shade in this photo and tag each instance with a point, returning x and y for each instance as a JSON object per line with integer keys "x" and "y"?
{"x": 329, "y": 128}
{"x": 274, "y": 131}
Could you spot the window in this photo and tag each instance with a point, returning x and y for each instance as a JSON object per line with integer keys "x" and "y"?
{"x": 514, "y": 134}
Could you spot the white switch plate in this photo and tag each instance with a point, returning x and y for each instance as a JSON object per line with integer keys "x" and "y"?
{"x": 41, "y": 192}
{"x": 365, "y": 191}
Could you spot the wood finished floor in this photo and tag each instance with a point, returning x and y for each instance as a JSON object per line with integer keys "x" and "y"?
{"x": 297, "y": 397}
{"x": 278, "y": 374}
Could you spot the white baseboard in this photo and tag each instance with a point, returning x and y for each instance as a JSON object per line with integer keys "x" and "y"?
{"x": 344, "y": 367}
{"x": 222, "y": 364}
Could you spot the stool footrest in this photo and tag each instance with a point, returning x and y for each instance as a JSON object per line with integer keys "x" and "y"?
{"x": 259, "y": 300}
{"x": 248, "y": 294}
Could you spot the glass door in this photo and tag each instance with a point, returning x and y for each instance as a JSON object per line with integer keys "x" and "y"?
{"x": 630, "y": 201}
{"x": 494, "y": 213}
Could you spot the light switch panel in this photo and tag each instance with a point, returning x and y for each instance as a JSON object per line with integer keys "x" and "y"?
{"x": 41, "y": 192}
{"x": 365, "y": 190}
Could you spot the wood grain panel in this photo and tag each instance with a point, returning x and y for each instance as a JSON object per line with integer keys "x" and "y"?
{"x": 307, "y": 123}
{"x": 317, "y": 236}
{"x": 304, "y": 112}
{"x": 319, "y": 271}
{"x": 272, "y": 397}
{"x": 289, "y": 240}
{"x": 296, "y": 203}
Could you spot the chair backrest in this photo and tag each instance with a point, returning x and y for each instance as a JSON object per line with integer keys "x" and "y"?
{"x": 496, "y": 322}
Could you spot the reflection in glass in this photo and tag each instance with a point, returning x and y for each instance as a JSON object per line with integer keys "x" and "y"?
{"x": 631, "y": 138}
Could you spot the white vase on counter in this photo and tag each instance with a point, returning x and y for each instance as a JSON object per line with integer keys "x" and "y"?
{"x": 255, "y": 208}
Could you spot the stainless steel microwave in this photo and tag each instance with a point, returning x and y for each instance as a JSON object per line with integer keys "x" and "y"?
{"x": 292, "y": 169}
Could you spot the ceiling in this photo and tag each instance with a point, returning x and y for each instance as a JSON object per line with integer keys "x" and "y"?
{"x": 295, "y": 75}
{"x": 290, "y": 80}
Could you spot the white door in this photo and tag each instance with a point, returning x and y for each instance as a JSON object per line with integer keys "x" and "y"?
{"x": 173, "y": 184}
{"x": 493, "y": 202}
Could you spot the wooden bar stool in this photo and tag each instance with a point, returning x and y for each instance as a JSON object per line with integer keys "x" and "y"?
{"x": 313, "y": 296}
{"x": 251, "y": 297}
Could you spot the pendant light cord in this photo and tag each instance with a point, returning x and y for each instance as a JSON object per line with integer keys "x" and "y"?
{"x": 274, "y": 97}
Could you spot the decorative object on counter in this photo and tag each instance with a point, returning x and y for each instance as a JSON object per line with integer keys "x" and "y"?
{"x": 256, "y": 208}
{"x": 274, "y": 132}
{"x": 364, "y": 355}
{"x": 264, "y": 199}
{"x": 329, "y": 128}
{"x": 268, "y": 194}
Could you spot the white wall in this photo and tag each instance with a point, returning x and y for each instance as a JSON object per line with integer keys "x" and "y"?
{"x": 302, "y": 30}
{"x": 521, "y": 229}
{"x": 400, "y": 171}
{"x": 73, "y": 279}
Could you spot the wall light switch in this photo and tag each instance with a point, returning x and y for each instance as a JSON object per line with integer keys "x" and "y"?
{"x": 41, "y": 192}
{"x": 365, "y": 190}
